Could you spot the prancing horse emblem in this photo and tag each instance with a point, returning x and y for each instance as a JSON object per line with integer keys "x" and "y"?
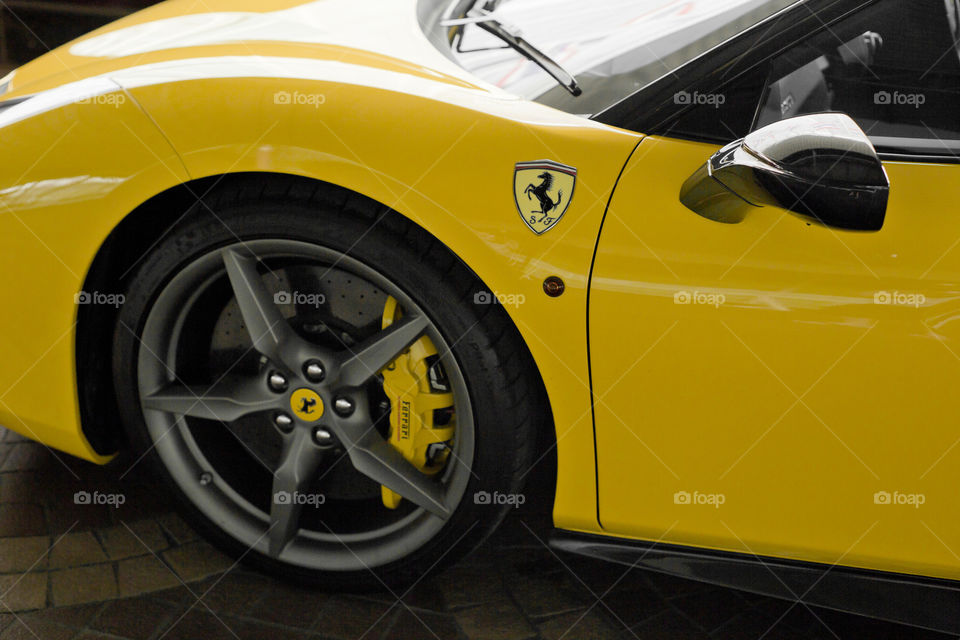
{"x": 542, "y": 191}
{"x": 307, "y": 405}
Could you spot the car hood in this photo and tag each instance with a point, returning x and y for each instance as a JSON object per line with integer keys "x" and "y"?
{"x": 383, "y": 34}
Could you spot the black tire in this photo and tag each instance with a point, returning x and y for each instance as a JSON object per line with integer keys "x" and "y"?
{"x": 505, "y": 391}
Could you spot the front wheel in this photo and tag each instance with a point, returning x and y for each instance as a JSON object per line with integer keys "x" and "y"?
{"x": 319, "y": 391}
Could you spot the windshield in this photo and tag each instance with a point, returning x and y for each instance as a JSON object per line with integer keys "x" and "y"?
{"x": 613, "y": 47}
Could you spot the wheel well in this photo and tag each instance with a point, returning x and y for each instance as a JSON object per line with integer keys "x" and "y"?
{"x": 114, "y": 266}
{"x": 110, "y": 271}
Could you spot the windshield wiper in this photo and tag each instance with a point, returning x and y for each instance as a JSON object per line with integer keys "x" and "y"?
{"x": 484, "y": 18}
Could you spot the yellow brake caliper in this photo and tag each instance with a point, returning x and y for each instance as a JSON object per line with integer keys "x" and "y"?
{"x": 414, "y": 407}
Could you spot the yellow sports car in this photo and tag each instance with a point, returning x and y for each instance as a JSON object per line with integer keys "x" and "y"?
{"x": 332, "y": 267}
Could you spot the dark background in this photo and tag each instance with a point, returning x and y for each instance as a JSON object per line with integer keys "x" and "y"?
{"x": 29, "y": 28}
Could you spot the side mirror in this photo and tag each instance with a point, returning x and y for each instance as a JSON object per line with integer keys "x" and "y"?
{"x": 820, "y": 167}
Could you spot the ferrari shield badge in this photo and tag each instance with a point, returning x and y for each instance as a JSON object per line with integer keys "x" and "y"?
{"x": 543, "y": 191}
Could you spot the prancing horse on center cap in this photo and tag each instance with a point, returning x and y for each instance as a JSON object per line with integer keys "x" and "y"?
{"x": 306, "y": 404}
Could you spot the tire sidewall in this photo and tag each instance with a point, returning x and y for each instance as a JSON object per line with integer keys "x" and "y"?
{"x": 389, "y": 249}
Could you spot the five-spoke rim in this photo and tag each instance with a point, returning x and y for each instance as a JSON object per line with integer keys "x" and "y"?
{"x": 316, "y": 396}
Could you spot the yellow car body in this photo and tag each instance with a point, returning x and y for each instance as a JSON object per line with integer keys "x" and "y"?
{"x": 706, "y": 399}
{"x": 146, "y": 122}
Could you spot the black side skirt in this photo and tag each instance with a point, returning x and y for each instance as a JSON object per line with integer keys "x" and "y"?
{"x": 922, "y": 602}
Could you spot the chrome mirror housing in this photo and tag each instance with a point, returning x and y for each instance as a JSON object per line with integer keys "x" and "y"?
{"x": 820, "y": 167}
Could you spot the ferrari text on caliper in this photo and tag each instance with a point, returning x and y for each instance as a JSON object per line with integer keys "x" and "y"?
{"x": 422, "y": 418}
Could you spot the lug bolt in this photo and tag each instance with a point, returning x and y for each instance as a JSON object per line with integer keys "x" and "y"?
{"x": 343, "y": 406}
{"x": 283, "y": 422}
{"x": 206, "y": 478}
{"x": 322, "y": 437}
{"x": 277, "y": 382}
{"x": 313, "y": 370}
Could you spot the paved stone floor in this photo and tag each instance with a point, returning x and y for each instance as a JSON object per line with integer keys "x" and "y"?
{"x": 135, "y": 570}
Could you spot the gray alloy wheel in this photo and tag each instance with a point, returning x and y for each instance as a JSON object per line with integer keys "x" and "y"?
{"x": 186, "y": 397}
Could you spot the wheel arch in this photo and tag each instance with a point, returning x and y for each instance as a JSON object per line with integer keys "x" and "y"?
{"x": 114, "y": 260}
{"x": 132, "y": 238}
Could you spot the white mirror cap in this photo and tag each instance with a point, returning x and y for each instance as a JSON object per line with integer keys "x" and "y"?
{"x": 827, "y": 131}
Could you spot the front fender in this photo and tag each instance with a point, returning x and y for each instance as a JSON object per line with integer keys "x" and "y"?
{"x": 440, "y": 153}
{"x": 76, "y": 160}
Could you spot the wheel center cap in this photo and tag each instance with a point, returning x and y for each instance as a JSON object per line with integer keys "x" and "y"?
{"x": 306, "y": 404}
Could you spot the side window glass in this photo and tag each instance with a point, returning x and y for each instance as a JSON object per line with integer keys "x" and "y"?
{"x": 724, "y": 115}
{"x": 893, "y": 67}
